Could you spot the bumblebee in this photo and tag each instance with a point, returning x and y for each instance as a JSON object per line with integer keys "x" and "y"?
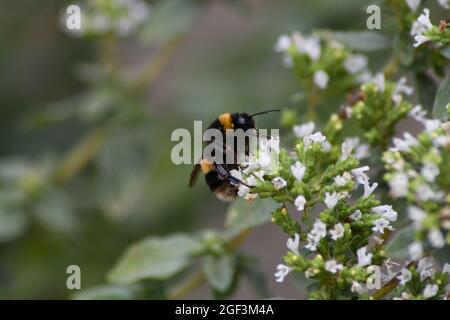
{"x": 218, "y": 176}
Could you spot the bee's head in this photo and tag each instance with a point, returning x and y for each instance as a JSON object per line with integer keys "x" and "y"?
{"x": 242, "y": 121}
{"x": 245, "y": 121}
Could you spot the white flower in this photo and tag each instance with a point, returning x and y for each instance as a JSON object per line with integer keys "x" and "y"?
{"x": 436, "y": 238}
{"x": 417, "y": 29}
{"x": 252, "y": 180}
{"x": 326, "y": 146}
{"x": 321, "y": 79}
{"x": 415, "y": 250}
{"x": 341, "y": 181}
{"x": 381, "y": 224}
{"x": 413, "y": 4}
{"x": 418, "y": 113}
{"x": 404, "y": 276}
{"x": 378, "y": 240}
{"x": 416, "y": 215}
{"x": 332, "y": 266}
{"x": 282, "y": 272}
{"x": 430, "y": 171}
{"x": 424, "y": 19}
{"x": 331, "y": 200}
{"x": 425, "y": 268}
{"x": 446, "y": 268}
{"x": 379, "y": 81}
{"x": 369, "y": 189}
{"x": 404, "y": 144}
{"x": 337, "y": 231}
{"x": 279, "y": 183}
{"x": 298, "y": 170}
{"x": 293, "y": 244}
{"x": 243, "y": 191}
{"x": 360, "y": 175}
{"x": 398, "y": 185}
{"x": 431, "y": 125}
{"x": 444, "y": 4}
{"x": 315, "y": 137}
{"x": 423, "y": 265}
{"x": 420, "y": 39}
{"x": 430, "y": 290}
{"x": 309, "y": 45}
{"x": 361, "y": 150}
{"x": 400, "y": 88}
{"x": 346, "y": 150}
{"x": 300, "y": 202}
{"x": 364, "y": 258}
{"x": 318, "y": 231}
{"x": 236, "y": 174}
{"x": 304, "y": 130}
{"x": 357, "y": 287}
{"x": 386, "y": 212}
{"x": 309, "y": 273}
{"x": 356, "y": 215}
{"x": 284, "y": 42}
{"x": 355, "y": 63}
{"x": 425, "y": 193}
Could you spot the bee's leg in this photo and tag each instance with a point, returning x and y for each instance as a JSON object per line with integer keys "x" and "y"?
{"x": 224, "y": 174}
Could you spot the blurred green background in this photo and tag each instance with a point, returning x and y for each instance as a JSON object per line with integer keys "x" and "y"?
{"x": 85, "y": 125}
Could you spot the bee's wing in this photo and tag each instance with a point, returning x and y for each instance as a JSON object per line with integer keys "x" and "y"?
{"x": 194, "y": 175}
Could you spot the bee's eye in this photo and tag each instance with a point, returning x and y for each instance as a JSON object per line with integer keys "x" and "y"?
{"x": 241, "y": 122}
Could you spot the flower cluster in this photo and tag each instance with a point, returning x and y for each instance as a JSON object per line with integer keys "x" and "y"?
{"x": 321, "y": 63}
{"x": 380, "y": 107}
{"x": 121, "y": 17}
{"x": 424, "y": 31}
{"x": 422, "y": 281}
{"x": 418, "y": 170}
{"x": 339, "y": 237}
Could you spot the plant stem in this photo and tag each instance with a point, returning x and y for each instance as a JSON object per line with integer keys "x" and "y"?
{"x": 156, "y": 64}
{"x": 198, "y": 278}
{"x": 79, "y": 156}
{"x": 389, "y": 286}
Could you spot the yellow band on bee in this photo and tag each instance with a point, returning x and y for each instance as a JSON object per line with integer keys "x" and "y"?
{"x": 225, "y": 121}
{"x": 206, "y": 166}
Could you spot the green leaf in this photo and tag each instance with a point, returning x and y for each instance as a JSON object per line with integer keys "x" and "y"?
{"x": 251, "y": 269}
{"x": 359, "y": 40}
{"x": 403, "y": 48}
{"x": 446, "y": 52}
{"x": 108, "y": 292}
{"x": 55, "y": 211}
{"x": 442, "y": 100}
{"x": 155, "y": 258}
{"x": 219, "y": 271}
{"x": 170, "y": 18}
{"x": 12, "y": 223}
{"x": 426, "y": 89}
{"x": 398, "y": 247}
{"x": 242, "y": 215}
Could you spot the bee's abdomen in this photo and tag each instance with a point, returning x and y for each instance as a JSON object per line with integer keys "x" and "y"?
{"x": 221, "y": 188}
{"x": 212, "y": 180}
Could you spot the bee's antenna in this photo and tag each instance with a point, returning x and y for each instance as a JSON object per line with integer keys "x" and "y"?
{"x": 267, "y": 111}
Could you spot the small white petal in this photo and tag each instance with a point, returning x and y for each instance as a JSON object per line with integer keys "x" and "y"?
{"x": 364, "y": 258}
{"x": 298, "y": 170}
{"x": 300, "y": 202}
{"x": 430, "y": 290}
{"x": 321, "y": 79}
